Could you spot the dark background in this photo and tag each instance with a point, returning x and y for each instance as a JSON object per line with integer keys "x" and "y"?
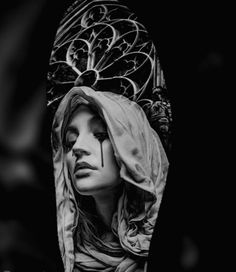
{"x": 192, "y": 40}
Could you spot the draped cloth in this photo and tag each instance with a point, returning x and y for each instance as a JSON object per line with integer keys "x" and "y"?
{"x": 143, "y": 169}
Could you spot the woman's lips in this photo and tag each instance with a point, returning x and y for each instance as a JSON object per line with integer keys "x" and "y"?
{"x": 82, "y": 168}
{"x": 83, "y": 173}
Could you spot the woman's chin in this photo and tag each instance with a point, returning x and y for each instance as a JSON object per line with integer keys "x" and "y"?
{"x": 89, "y": 187}
{"x": 85, "y": 186}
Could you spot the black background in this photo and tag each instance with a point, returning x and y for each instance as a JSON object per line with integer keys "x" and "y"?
{"x": 192, "y": 40}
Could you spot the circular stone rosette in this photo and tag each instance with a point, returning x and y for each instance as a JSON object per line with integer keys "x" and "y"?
{"x": 101, "y": 44}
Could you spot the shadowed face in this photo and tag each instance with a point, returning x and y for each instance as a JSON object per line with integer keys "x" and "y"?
{"x": 89, "y": 154}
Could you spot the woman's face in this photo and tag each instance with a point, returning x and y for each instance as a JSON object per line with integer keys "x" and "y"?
{"x": 89, "y": 154}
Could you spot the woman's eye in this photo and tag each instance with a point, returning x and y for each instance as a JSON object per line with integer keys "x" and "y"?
{"x": 70, "y": 141}
{"x": 101, "y": 136}
{"x": 69, "y": 145}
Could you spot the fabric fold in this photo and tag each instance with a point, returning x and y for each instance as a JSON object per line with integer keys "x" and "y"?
{"x": 143, "y": 170}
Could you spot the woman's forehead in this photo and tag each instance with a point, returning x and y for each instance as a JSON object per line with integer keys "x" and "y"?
{"x": 84, "y": 108}
{"x": 86, "y": 114}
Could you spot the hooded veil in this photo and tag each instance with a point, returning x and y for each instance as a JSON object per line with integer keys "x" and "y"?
{"x": 143, "y": 169}
{"x": 102, "y": 56}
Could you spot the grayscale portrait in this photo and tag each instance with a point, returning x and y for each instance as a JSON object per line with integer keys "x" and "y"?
{"x": 110, "y": 137}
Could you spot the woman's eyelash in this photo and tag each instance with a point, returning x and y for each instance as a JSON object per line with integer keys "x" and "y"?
{"x": 101, "y": 136}
{"x": 69, "y": 144}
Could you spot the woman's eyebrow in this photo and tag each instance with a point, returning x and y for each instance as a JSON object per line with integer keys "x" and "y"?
{"x": 71, "y": 129}
{"x": 97, "y": 120}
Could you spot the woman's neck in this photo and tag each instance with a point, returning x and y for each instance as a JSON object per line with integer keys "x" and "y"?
{"x": 106, "y": 204}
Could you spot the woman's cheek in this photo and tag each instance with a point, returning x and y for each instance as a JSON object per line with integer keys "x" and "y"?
{"x": 110, "y": 157}
{"x": 107, "y": 149}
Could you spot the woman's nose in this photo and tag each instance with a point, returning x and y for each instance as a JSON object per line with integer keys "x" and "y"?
{"x": 81, "y": 147}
